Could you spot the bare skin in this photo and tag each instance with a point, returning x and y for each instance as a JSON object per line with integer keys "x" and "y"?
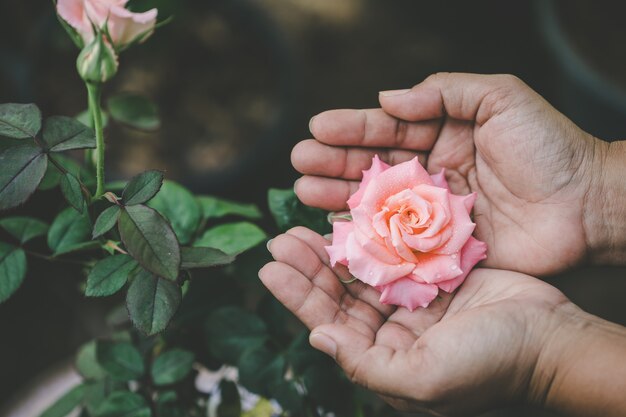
{"x": 550, "y": 196}
{"x": 503, "y": 338}
{"x": 541, "y": 181}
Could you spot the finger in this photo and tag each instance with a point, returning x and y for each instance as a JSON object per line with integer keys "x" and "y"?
{"x": 373, "y": 128}
{"x": 422, "y": 319}
{"x": 357, "y": 289}
{"x": 326, "y": 193}
{"x": 376, "y": 367}
{"x": 306, "y": 301}
{"x": 315, "y": 158}
{"x": 292, "y": 251}
{"x": 470, "y": 97}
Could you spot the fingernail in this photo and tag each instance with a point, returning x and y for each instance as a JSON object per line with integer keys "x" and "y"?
{"x": 324, "y": 343}
{"x": 295, "y": 184}
{"x": 329, "y": 237}
{"x": 267, "y": 245}
{"x": 391, "y": 93}
{"x": 311, "y": 124}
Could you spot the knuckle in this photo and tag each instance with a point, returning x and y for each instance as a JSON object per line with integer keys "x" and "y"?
{"x": 298, "y": 230}
{"x": 511, "y": 83}
{"x": 438, "y": 76}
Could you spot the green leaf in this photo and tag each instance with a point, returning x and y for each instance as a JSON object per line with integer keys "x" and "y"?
{"x": 289, "y": 212}
{"x": 19, "y": 121}
{"x": 98, "y": 391}
{"x": 24, "y": 229}
{"x": 86, "y": 363}
{"x": 105, "y": 221}
{"x": 109, "y": 275}
{"x": 12, "y": 270}
{"x": 69, "y": 231}
{"x": 322, "y": 383}
{"x": 231, "y": 330}
{"x": 135, "y": 111}
{"x": 232, "y": 238}
{"x": 142, "y": 187}
{"x": 260, "y": 369}
{"x": 198, "y": 257}
{"x": 123, "y": 404}
{"x": 213, "y": 207}
{"x": 289, "y": 397}
{"x": 22, "y": 168}
{"x": 172, "y": 366}
{"x": 302, "y": 356}
{"x": 52, "y": 178}
{"x": 121, "y": 360}
{"x": 168, "y": 405}
{"x": 152, "y": 302}
{"x": 150, "y": 240}
{"x": 67, "y": 403}
{"x": 70, "y": 187}
{"x": 180, "y": 207}
{"x": 62, "y": 133}
{"x": 6, "y": 143}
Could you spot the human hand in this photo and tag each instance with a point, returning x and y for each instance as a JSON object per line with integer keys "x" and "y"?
{"x": 542, "y": 199}
{"x": 464, "y": 353}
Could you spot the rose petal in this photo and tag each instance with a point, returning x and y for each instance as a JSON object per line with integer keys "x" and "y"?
{"x": 439, "y": 180}
{"x": 376, "y": 247}
{"x": 391, "y": 181}
{"x": 469, "y": 201}
{"x": 73, "y": 12}
{"x": 408, "y": 293}
{"x": 125, "y": 26}
{"x": 473, "y": 252}
{"x": 337, "y": 251}
{"x": 398, "y": 242}
{"x": 461, "y": 224}
{"x": 377, "y": 167}
{"x": 433, "y": 268}
{"x": 381, "y": 223}
{"x": 369, "y": 269}
{"x": 440, "y": 211}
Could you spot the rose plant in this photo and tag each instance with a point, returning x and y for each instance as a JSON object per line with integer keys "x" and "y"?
{"x": 150, "y": 242}
{"x": 407, "y": 235}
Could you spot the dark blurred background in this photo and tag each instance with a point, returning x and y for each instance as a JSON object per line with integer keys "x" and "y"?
{"x": 236, "y": 82}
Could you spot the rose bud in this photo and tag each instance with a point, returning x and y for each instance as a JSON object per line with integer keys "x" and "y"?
{"x": 97, "y": 62}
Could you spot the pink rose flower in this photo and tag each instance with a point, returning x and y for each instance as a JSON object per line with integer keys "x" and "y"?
{"x": 409, "y": 236}
{"x": 123, "y": 25}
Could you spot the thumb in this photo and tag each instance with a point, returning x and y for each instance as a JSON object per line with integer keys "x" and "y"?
{"x": 376, "y": 367}
{"x": 471, "y": 97}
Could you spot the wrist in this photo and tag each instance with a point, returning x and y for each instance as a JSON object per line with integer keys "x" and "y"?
{"x": 581, "y": 370}
{"x": 604, "y": 216}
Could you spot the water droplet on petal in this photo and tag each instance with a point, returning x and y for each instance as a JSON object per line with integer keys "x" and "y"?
{"x": 452, "y": 266}
{"x": 453, "y": 256}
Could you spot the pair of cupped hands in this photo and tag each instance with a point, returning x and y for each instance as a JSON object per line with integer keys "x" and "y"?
{"x": 544, "y": 205}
